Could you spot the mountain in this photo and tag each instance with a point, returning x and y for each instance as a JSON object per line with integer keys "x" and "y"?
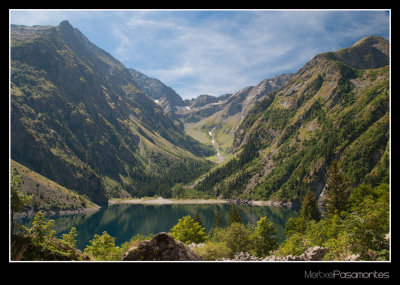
{"x": 50, "y": 196}
{"x": 214, "y": 120}
{"x": 334, "y": 108}
{"x": 209, "y": 119}
{"x": 160, "y": 93}
{"x": 79, "y": 119}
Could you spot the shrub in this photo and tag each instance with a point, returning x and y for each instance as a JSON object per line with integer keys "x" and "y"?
{"x": 103, "y": 248}
{"x": 41, "y": 230}
{"x": 187, "y": 230}
{"x": 70, "y": 238}
{"x": 263, "y": 237}
{"x": 295, "y": 245}
{"x": 237, "y": 237}
{"x": 214, "y": 251}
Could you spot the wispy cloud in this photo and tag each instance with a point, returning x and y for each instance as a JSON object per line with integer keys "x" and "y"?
{"x": 218, "y": 52}
{"x": 227, "y": 50}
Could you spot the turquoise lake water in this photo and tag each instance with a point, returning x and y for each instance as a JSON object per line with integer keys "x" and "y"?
{"x": 122, "y": 221}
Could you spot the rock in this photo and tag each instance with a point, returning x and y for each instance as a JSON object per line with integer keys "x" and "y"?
{"x": 353, "y": 257}
{"x": 315, "y": 253}
{"x": 195, "y": 245}
{"x": 243, "y": 256}
{"x": 162, "y": 247}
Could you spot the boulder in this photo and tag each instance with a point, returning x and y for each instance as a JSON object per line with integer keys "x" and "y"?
{"x": 315, "y": 253}
{"x": 162, "y": 247}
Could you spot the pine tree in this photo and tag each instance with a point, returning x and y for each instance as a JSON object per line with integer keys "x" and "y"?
{"x": 217, "y": 220}
{"x": 234, "y": 216}
{"x": 19, "y": 200}
{"x": 309, "y": 208}
{"x": 197, "y": 219}
{"x": 338, "y": 190}
{"x": 265, "y": 237}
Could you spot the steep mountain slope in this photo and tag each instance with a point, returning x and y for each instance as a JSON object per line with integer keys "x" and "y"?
{"x": 48, "y": 195}
{"x": 160, "y": 93}
{"x": 335, "y": 107}
{"x": 214, "y": 120}
{"x": 78, "y": 118}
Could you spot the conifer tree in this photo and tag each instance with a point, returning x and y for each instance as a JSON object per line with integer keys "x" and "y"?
{"x": 309, "y": 208}
{"x": 217, "y": 220}
{"x": 234, "y": 216}
{"x": 338, "y": 190}
{"x": 197, "y": 219}
{"x": 19, "y": 200}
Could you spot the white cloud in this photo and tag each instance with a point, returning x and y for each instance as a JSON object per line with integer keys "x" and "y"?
{"x": 216, "y": 56}
{"x": 217, "y": 52}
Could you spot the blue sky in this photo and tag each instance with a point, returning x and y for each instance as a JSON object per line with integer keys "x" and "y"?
{"x": 215, "y": 51}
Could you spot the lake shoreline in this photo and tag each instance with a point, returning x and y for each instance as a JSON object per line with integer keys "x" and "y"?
{"x": 50, "y": 213}
{"x": 163, "y": 201}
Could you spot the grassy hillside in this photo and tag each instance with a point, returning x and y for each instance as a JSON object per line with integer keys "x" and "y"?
{"x": 48, "y": 195}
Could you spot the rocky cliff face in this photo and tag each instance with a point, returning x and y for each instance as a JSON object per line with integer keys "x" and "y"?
{"x": 160, "y": 93}
{"x": 229, "y": 105}
{"x": 78, "y": 118}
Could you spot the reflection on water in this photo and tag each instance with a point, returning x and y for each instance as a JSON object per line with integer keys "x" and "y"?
{"x": 122, "y": 221}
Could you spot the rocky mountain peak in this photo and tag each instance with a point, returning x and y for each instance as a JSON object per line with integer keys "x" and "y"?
{"x": 65, "y": 26}
{"x": 369, "y": 52}
{"x": 156, "y": 90}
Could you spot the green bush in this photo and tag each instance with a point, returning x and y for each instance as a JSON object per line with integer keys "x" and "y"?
{"x": 187, "y": 230}
{"x": 237, "y": 238}
{"x": 263, "y": 238}
{"x": 103, "y": 248}
{"x": 360, "y": 230}
{"x": 214, "y": 251}
{"x": 295, "y": 245}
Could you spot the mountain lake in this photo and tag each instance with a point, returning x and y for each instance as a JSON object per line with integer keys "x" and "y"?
{"x": 122, "y": 221}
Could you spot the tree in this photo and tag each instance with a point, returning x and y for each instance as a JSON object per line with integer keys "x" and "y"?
{"x": 197, "y": 219}
{"x": 309, "y": 208}
{"x": 103, "y": 248}
{"x": 264, "y": 237}
{"x": 217, "y": 220}
{"x": 295, "y": 225}
{"x": 187, "y": 230}
{"x": 19, "y": 200}
{"x": 41, "y": 230}
{"x": 178, "y": 191}
{"x": 368, "y": 223}
{"x": 338, "y": 190}
{"x": 70, "y": 238}
{"x": 237, "y": 237}
{"x": 233, "y": 216}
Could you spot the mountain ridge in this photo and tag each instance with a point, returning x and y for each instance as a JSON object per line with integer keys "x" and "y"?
{"x": 78, "y": 118}
{"x": 160, "y": 93}
{"x": 328, "y": 110}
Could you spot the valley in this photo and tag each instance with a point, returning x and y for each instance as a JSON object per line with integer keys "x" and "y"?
{"x": 116, "y": 133}
{"x": 89, "y": 134}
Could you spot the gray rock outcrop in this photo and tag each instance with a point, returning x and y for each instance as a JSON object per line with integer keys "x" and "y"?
{"x": 315, "y": 253}
{"x": 162, "y": 247}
